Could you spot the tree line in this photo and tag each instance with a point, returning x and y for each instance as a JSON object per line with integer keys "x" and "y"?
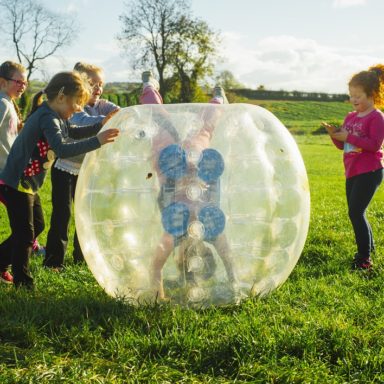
{"x": 126, "y": 99}
{"x": 263, "y": 94}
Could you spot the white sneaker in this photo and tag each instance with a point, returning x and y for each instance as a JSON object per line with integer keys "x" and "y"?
{"x": 149, "y": 80}
{"x": 218, "y": 91}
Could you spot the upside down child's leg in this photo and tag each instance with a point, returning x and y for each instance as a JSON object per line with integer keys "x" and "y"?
{"x": 162, "y": 253}
{"x": 150, "y": 95}
{"x": 222, "y": 248}
{"x": 182, "y": 259}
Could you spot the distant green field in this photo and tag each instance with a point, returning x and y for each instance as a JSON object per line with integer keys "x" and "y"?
{"x": 305, "y": 117}
{"x": 324, "y": 325}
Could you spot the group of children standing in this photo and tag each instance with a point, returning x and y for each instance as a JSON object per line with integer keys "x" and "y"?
{"x": 59, "y": 131}
{"x": 29, "y": 151}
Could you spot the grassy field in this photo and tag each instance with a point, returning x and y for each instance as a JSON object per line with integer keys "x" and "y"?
{"x": 324, "y": 325}
{"x": 302, "y": 117}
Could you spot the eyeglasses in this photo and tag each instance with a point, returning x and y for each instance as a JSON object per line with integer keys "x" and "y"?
{"x": 20, "y": 83}
{"x": 96, "y": 85}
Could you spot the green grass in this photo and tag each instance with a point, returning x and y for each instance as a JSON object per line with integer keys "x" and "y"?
{"x": 302, "y": 117}
{"x": 324, "y": 325}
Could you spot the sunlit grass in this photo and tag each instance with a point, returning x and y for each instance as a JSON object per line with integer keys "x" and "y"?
{"x": 324, "y": 325}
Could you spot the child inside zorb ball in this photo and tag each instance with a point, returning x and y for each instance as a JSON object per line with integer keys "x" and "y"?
{"x": 189, "y": 201}
{"x": 199, "y": 203}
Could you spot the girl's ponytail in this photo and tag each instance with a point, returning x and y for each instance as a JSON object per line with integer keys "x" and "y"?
{"x": 378, "y": 94}
{"x": 36, "y": 102}
{"x": 378, "y": 69}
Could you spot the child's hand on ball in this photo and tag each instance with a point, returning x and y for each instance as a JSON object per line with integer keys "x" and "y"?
{"x": 108, "y": 136}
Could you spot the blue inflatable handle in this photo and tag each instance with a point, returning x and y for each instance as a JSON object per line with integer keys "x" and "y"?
{"x": 210, "y": 166}
{"x": 175, "y": 218}
{"x": 213, "y": 220}
{"x": 173, "y": 162}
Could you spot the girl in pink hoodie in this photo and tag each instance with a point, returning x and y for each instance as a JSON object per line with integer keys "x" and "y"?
{"x": 361, "y": 138}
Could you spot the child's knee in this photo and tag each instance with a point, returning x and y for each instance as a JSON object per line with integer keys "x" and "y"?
{"x": 167, "y": 241}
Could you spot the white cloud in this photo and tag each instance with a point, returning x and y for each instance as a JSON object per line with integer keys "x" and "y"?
{"x": 348, "y": 3}
{"x": 277, "y": 62}
{"x": 72, "y": 7}
{"x": 291, "y": 63}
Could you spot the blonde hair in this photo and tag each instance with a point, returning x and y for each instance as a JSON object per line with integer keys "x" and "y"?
{"x": 372, "y": 82}
{"x": 68, "y": 83}
{"x": 88, "y": 69}
{"x": 7, "y": 70}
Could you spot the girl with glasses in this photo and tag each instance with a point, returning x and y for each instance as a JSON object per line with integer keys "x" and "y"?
{"x": 12, "y": 85}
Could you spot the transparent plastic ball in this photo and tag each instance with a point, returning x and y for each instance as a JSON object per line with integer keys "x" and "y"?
{"x": 196, "y": 204}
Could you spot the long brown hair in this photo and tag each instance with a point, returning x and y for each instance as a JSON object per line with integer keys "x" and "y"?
{"x": 372, "y": 82}
{"x": 7, "y": 70}
{"x": 69, "y": 83}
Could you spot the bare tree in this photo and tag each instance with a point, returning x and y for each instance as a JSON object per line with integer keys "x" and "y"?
{"x": 34, "y": 32}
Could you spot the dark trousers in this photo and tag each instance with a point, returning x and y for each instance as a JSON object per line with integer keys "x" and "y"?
{"x": 63, "y": 194}
{"x": 360, "y": 190}
{"x": 27, "y": 222}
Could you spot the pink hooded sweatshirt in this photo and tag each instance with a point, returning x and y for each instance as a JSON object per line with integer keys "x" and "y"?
{"x": 363, "y": 150}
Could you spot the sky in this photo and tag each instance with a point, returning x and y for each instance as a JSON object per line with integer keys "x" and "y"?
{"x": 303, "y": 45}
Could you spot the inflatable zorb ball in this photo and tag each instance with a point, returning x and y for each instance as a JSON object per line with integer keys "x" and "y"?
{"x": 198, "y": 204}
